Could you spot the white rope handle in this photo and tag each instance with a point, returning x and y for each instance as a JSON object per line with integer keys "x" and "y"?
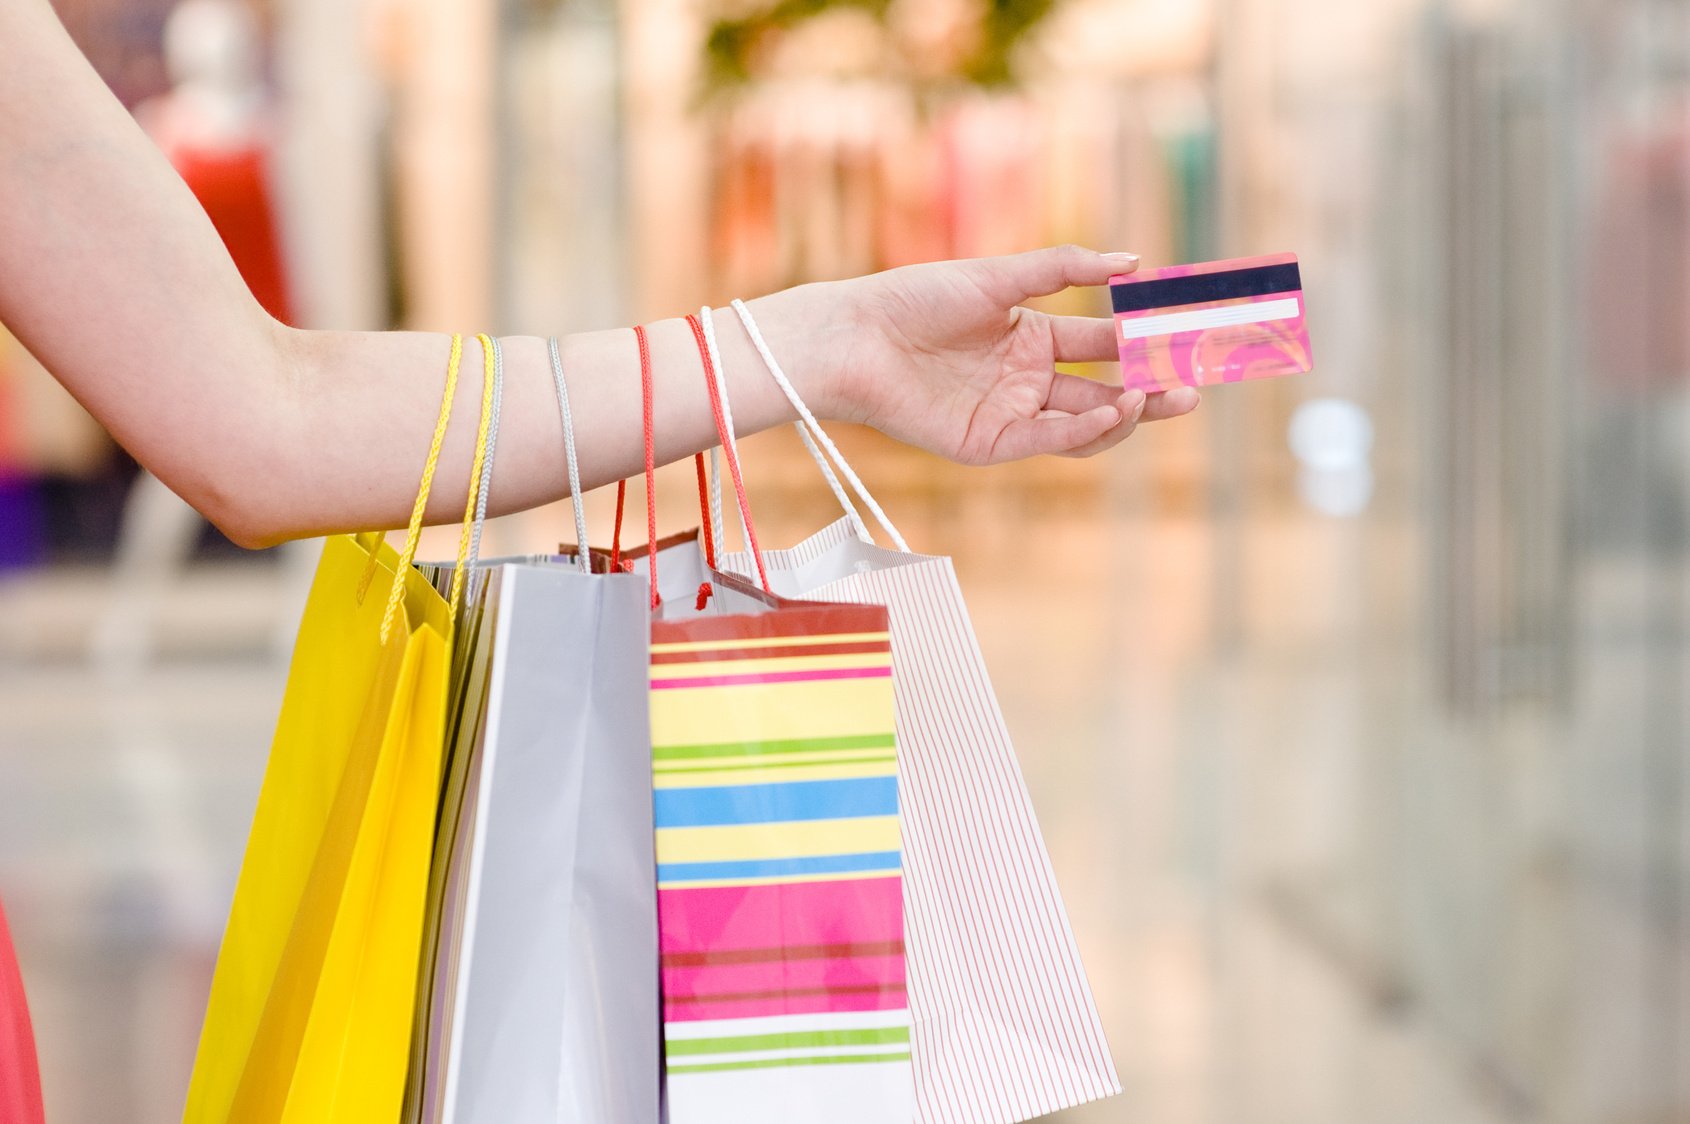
{"x": 717, "y": 531}
{"x": 562, "y": 389}
{"x": 833, "y": 484}
{"x": 474, "y": 555}
{"x": 815, "y": 428}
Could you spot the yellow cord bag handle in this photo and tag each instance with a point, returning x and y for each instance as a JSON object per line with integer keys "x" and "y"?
{"x": 413, "y": 532}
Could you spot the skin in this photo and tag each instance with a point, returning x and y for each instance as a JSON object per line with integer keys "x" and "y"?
{"x": 115, "y": 279}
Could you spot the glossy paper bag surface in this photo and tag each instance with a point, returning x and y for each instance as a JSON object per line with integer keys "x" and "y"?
{"x": 554, "y": 1010}
{"x": 311, "y": 1003}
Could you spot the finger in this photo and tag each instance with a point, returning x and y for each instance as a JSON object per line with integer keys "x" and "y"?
{"x": 1054, "y": 433}
{"x": 1083, "y": 339}
{"x": 1132, "y": 414}
{"x": 1172, "y": 404}
{"x": 1073, "y": 394}
{"x": 1038, "y": 273}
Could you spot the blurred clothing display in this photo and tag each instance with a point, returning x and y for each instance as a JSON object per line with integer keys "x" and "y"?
{"x": 1640, "y": 256}
{"x": 233, "y": 185}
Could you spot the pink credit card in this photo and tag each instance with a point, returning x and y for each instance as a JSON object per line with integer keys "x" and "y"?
{"x": 1221, "y": 321}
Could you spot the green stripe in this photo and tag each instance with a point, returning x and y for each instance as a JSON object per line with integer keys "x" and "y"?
{"x": 788, "y": 1040}
{"x": 807, "y": 763}
{"x": 791, "y": 745}
{"x": 770, "y": 1063}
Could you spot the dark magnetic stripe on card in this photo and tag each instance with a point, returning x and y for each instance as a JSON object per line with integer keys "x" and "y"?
{"x": 1201, "y": 288}
{"x": 796, "y": 952}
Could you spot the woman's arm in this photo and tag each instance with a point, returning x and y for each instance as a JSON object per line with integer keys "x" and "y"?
{"x": 112, "y": 275}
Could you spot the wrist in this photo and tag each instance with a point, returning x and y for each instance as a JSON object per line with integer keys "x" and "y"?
{"x": 808, "y": 330}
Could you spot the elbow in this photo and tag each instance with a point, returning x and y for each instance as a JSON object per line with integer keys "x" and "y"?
{"x": 250, "y": 533}
{"x": 246, "y": 489}
{"x": 246, "y": 516}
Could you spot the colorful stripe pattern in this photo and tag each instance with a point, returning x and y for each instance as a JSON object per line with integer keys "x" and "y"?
{"x": 779, "y": 857}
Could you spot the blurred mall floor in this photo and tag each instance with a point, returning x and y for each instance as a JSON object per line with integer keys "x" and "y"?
{"x": 1213, "y": 811}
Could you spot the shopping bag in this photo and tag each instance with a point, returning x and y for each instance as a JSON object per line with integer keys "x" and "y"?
{"x": 780, "y": 912}
{"x": 310, "y": 1011}
{"x": 775, "y": 801}
{"x": 20, "y": 1078}
{"x": 544, "y": 1006}
{"x": 1005, "y": 1027}
{"x": 555, "y": 1007}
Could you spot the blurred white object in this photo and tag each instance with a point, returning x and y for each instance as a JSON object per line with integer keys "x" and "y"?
{"x": 1333, "y": 438}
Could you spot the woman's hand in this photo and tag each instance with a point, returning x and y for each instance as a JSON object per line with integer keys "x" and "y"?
{"x": 945, "y": 356}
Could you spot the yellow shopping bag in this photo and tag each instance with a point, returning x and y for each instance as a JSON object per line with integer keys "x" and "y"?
{"x": 312, "y": 1000}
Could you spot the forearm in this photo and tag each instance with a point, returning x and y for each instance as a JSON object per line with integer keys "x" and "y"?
{"x": 114, "y": 277}
{"x": 354, "y": 418}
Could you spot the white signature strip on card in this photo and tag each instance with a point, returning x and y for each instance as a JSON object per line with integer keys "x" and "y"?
{"x": 1202, "y": 319}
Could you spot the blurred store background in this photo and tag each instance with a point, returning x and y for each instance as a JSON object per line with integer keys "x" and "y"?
{"x": 1356, "y": 708}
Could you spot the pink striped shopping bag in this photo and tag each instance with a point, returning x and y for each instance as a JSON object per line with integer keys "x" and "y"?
{"x": 779, "y": 867}
{"x": 1004, "y": 1025}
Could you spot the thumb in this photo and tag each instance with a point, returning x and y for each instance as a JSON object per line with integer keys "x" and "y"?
{"x": 1039, "y": 273}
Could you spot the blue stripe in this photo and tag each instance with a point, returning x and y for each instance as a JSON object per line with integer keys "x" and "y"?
{"x": 776, "y": 803}
{"x": 767, "y": 868}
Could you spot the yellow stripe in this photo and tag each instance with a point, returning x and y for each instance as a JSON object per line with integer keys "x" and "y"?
{"x": 777, "y": 879}
{"x": 843, "y": 770}
{"x": 800, "y": 840}
{"x": 766, "y": 712}
{"x": 769, "y": 642}
{"x": 664, "y": 671}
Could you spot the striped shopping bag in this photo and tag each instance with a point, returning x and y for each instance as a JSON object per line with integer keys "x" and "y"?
{"x": 780, "y": 892}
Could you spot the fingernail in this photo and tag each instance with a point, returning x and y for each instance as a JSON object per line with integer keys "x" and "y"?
{"x": 1122, "y": 255}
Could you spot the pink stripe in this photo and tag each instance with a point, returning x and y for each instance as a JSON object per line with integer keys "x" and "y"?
{"x": 773, "y": 677}
{"x": 714, "y": 918}
{"x": 681, "y": 984}
{"x": 687, "y": 1011}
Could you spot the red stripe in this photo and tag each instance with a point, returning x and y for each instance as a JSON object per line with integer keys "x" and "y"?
{"x": 845, "y": 976}
{"x": 785, "y": 651}
{"x": 800, "y": 620}
{"x": 790, "y": 952}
